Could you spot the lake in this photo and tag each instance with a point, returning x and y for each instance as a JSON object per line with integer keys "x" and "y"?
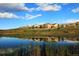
{"x": 39, "y": 46}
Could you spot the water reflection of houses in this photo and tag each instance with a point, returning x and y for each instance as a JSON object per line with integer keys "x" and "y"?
{"x": 46, "y": 39}
{"x": 41, "y": 48}
{"x": 54, "y": 39}
{"x": 73, "y": 38}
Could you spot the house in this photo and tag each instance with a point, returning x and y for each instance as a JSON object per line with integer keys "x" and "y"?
{"x": 48, "y": 26}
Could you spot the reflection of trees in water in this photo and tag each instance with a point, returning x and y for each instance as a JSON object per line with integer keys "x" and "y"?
{"x": 43, "y": 49}
{"x": 48, "y": 47}
{"x": 74, "y": 50}
{"x": 25, "y": 50}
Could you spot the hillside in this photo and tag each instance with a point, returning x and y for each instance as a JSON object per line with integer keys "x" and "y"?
{"x": 70, "y": 29}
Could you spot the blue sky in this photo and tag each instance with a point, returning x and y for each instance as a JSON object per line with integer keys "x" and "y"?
{"x": 14, "y": 15}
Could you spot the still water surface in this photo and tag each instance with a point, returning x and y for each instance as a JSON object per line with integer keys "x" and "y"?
{"x": 46, "y": 46}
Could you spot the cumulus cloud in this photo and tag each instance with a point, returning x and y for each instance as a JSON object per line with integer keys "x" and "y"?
{"x": 7, "y": 7}
{"x": 76, "y": 10}
{"x": 29, "y": 16}
{"x": 8, "y": 15}
{"x": 10, "y": 7}
{"x": 48, "y": 7}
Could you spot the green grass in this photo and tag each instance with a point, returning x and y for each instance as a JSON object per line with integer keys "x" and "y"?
{"x": 41, "y": 32}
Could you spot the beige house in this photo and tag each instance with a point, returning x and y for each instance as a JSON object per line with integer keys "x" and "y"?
{"x": 48, "y": 26}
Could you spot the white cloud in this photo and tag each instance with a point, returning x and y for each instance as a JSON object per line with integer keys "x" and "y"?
{"x": 48, "y": 7}
{"x": 69, "y": 20}
{"x": 76, "y": 10}
{"x": 8, "y": 15}
{"x": 29, "y": 16}
{"x": 72, "y": 21}
{"x": 65, "y": 21}
{"x": 9, "y": 7}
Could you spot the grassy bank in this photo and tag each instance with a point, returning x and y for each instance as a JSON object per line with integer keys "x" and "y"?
{"x": 41, "y": 32}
